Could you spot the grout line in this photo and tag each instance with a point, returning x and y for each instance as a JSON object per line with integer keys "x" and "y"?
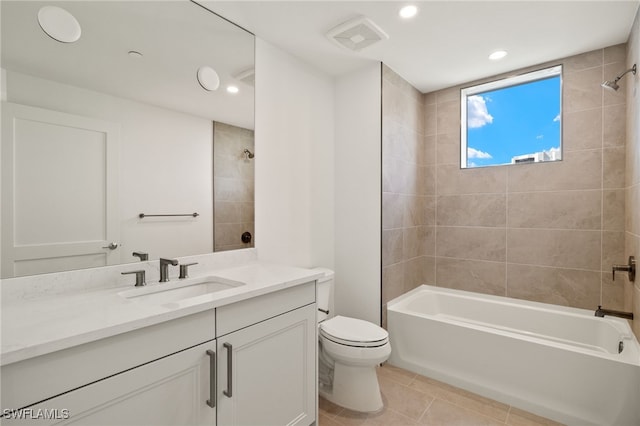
{"x": 506, "y": 236}
{"x": 506, "y": 421}
{"x": 526, "y": 228}
{"x": 521, "y": 264}
{"x": 436, "y": 203}
{"x": 602, "y": 188}
{"x": 424, "y": 413}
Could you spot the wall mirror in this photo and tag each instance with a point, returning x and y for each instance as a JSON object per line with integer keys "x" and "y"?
{"x": 149, "y": 111}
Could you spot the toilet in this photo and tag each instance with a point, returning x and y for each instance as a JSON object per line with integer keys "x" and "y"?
{"x": 349, "y": 350}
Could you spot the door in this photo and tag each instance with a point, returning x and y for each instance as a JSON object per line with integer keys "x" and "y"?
{"x": 266, "y": 372}
{"x": 59, "y": 191}
{"x": 175, "y": 390}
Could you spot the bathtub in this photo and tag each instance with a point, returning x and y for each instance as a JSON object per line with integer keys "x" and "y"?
{"x": 561, "y": 363}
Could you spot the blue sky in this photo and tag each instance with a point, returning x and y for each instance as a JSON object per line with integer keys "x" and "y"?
{"x": 513, "y": 121}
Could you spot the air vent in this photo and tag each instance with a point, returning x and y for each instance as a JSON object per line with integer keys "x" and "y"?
{"x": 357, "y": 34}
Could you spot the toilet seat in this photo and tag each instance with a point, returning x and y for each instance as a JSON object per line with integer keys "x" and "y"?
{"x": 353, "y": 332}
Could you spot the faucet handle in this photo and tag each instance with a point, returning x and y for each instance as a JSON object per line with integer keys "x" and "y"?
{"x": 143, "y": 256}
{"x": 184, "y": 270}
{"x": 140, "y": 277}
{"x": 630, "y": 268}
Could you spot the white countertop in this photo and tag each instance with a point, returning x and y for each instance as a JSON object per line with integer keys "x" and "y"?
{"x": 37, "y": 326}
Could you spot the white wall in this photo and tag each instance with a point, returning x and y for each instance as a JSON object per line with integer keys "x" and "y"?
{"x": 294, "y": 140}
{"x": 165, "y": 160}
{"x": 358, "y": 191}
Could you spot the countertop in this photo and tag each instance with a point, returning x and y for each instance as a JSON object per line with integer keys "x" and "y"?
{"x": 43, "y": 325}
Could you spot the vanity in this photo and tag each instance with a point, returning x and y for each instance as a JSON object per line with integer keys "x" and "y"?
{"x": 243, "y": 353}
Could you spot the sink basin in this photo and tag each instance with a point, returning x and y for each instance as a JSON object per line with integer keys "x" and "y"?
{"x": 162, "y": 293}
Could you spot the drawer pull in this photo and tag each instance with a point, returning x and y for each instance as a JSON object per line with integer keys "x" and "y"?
{"x": 211, "y": 402}
{"x": 229, "y": 391}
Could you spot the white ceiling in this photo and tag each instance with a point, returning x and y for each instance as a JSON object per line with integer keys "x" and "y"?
{"x": 447, "y": 43}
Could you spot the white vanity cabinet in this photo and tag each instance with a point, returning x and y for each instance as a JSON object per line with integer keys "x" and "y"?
{"x": 252, "y": 362}
{"x": 266, "y": 372}
{"x": 266, "y": 369}
{"x": 175, "y": 390}
{"x": 156, "y": 375}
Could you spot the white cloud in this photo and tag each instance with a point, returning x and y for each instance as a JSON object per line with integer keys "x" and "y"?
{"x": 540, "y": 137}
{"x": 557, "y": 118}
{"x": 474, "y": 153}
{"x": 477, "y": 113}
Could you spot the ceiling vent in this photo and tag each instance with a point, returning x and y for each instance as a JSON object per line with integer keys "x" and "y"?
{"x": 357, "y": 34}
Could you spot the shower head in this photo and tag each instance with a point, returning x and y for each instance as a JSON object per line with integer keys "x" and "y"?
{"x": 248, "y": 154}
{"x": 613, "y": 85}
{"x": 610, "y": 85}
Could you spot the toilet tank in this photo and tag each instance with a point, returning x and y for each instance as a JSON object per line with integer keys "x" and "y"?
{"x": 325, "y": 294}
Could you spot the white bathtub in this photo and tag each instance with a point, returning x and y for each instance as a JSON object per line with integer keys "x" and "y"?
{"x": 557, "y": 362}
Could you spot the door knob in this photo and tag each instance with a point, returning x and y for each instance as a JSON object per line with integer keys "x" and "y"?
{"x": 112, "y": 246}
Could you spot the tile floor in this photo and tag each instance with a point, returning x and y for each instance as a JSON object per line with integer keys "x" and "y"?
{"x": 411, "y": 399}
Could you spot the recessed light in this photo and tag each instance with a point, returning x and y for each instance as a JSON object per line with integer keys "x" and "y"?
{"x": 408, "y": 11}
{"x": 497, "y": 55}
{"x": 233, "y": 89}
{"x": 208, "y": 78}
{"x": 59, "y": 24}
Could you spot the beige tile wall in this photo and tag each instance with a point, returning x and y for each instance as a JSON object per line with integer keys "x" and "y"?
{"x": 544, "y": 232}
{"x": 408, "y": 189}
{"x": 233, "y": 185}
{"x": 631, "y": 84}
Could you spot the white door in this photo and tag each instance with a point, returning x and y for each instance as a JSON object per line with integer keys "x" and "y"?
{"x": 272, "y": 375}
{"x": 59, "y": 191}
{"x": 171, "y": 391}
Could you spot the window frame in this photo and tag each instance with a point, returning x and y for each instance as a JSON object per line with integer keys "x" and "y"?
{"x": 510, "y": 81}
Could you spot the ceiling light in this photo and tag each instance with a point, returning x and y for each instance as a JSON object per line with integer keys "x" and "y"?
{"x": 59, "y": 24}
{"x": 208, "y": 78}
{"x": 232, "y": 89}
{"x": 497, "y": 55}
{"x": 408, "y": 12}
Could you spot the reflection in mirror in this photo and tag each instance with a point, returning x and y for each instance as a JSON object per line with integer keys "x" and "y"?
{"x": 97, "y": 131}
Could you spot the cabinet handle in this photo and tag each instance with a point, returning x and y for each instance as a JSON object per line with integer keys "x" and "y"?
{"x": 229, "y": 391}
{"x": 211, "y": 402}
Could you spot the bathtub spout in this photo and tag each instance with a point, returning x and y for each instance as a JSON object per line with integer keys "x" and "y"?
{"x": 602, "y": 312}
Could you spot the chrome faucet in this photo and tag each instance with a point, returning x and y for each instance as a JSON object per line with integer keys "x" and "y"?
{"x": 602, "y": 312}
{"x": 164, "y": 268}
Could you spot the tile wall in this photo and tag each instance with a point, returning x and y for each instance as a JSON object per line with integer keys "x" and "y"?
{"x": 233, "y": 186}
{"x": 632, "y": 222}
{"x": 408, "y": 190}
{"x": 544, "y": 232}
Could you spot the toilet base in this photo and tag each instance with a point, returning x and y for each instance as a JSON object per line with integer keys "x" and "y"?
{"x": 355, "y": 388}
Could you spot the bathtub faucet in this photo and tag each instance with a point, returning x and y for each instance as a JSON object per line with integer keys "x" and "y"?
{"x": 602, "y": 312}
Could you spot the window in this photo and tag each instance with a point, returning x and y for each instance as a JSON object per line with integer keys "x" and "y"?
{"x": 512, "y": 121}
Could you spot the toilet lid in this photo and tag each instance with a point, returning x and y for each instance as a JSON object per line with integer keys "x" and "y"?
{"x": 353, "y": 332}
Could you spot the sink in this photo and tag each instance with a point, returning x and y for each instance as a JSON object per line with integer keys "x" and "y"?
{"x": 162, "y": 293}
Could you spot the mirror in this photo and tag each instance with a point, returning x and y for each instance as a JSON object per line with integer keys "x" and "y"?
{"x": 116, "y": 143}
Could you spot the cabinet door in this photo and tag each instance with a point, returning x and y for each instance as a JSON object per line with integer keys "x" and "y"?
{"x": 170, "y": 391}
{"x": 272, "y": 377}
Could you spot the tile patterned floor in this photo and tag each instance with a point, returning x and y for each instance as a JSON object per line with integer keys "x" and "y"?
{"x": 411, "y": 399}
